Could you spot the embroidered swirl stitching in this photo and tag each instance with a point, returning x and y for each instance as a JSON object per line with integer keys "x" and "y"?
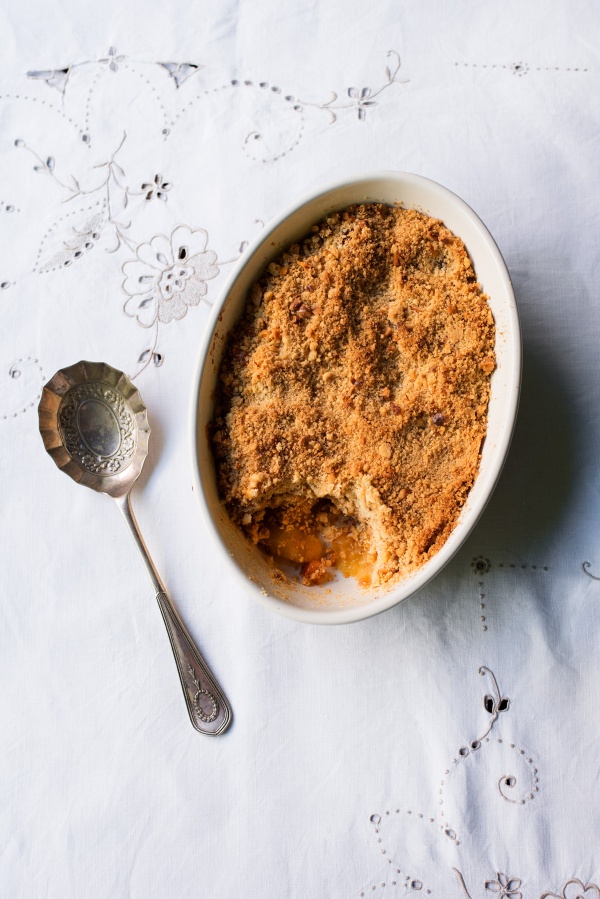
{"x": 521, "y": 68}
{"x": 506, "y": 886}
{"x": 406, "y": 879}
{"x": 586, "y": 570}
{"x": 481, "y": 566}
{"x": 495, "y": 704}
{"x": 26, "y": 370}
{"x": 174, "y": 271}
{"x": 109, "y": 204}
{"x": 360, "y": 100}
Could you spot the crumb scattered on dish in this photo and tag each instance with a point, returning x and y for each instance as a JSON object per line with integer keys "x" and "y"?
{"x": 352, "y": 397}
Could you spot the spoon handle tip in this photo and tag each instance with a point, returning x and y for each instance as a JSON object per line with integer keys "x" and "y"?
{"x": 208, "y": 708}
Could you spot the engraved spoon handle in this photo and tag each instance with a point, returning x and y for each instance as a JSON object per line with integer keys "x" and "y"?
{"x": 208, "y": 708}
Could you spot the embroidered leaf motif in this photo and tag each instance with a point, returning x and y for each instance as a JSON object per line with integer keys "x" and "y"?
{"x": 180, "y": 71}
{"x": 53, "y": 77}
{"x": 70, "y": 242}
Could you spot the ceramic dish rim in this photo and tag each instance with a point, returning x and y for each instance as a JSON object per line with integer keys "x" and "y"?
{"x": 424, "y": 575}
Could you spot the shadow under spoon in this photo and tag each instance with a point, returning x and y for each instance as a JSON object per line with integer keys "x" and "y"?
{"x": 95, "y": 426}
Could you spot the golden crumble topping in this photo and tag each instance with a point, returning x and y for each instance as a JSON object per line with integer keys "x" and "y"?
{"x": 353, "y": 393}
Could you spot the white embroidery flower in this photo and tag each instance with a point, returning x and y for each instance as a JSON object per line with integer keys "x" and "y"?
{"x": 519, "y": 68}
{"x": 157, "y": 188}
{"x": 575, "y": 889}
{"x": 361, "y": 100}
{"x": 480, "y": 565}
{"x": 505, "y": 886}
{"x": 168, "y": 276}
{"x": 112, "y": 60}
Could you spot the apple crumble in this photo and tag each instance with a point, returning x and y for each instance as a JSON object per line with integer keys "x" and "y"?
{"x": 352, "y": 397}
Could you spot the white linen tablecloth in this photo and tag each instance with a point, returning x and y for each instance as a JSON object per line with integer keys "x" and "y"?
{"x": 449, "y": 747}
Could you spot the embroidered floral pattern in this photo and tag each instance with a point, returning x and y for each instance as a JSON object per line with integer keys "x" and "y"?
{"x": 168, "y": 276}
{"x": 112, "y": 60}
{"x": 480, "y": 565}
{"x": 504, "y": 886}
{"x": 519, "y": 68}
{"x": 575, "y": 889}
{"x": 157, "y": 188}
{"x": 111, "y": 196}
{"x": 360, "y": 99}
{"x": 495, "y": 704}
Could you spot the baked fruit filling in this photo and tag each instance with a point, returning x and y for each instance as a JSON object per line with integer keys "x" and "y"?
{"x": 352, "y": 398}
{"x": 317, "y": 540}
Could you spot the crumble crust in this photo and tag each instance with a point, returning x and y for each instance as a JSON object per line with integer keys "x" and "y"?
{"x": 358, "y": 379}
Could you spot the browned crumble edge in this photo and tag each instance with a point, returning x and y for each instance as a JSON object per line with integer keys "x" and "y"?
{"x": 359, "y": 373}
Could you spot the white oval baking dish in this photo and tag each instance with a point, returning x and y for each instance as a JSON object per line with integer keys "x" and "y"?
{"x": 342, "y": 601}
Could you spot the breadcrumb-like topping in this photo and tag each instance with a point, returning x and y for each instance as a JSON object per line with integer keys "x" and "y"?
{"x": 359, "y": 372}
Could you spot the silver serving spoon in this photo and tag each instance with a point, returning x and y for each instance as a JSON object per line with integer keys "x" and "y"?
{"x": 94, "y": 425}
